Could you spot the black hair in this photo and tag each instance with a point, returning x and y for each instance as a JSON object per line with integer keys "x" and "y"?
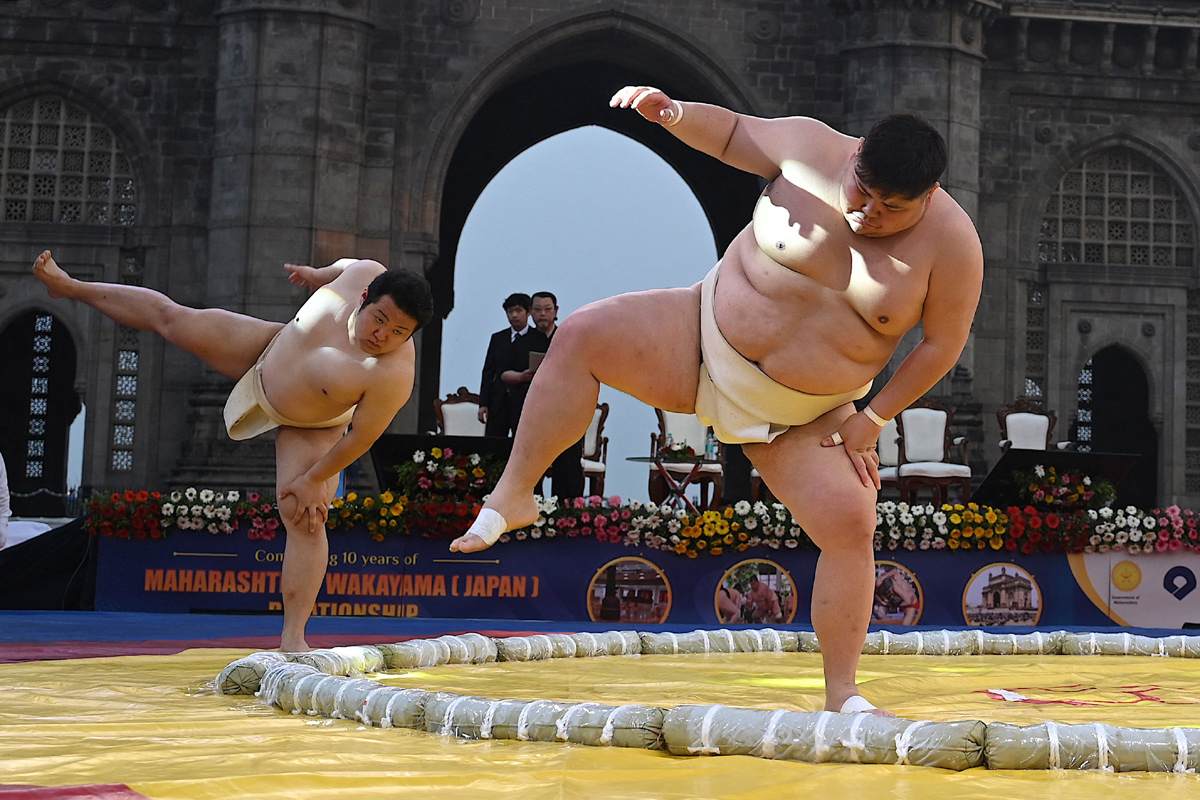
{"x": 517, "y": 299}
{"x": 408, "y": 290}
{"x": 902, "y": 155}
{"x": 553, "y": 299}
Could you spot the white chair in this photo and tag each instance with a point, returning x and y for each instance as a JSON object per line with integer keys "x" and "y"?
{"x": 458, "y": 414}
{"x": 888, "y": 450}
{"x": 1025, "y": 426}
{"x": 685, "y": 429}
{"x": 595, "y": 451}
{"x": 924, "y": 432}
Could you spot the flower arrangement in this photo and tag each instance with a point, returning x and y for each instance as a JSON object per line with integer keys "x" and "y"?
{"x": 678, "y": 450}
{"x": 735, "y": 528}
{"x": 440, "y": 493}
{"x": 1046, "y": 487}
{"x": 148, "y": 515}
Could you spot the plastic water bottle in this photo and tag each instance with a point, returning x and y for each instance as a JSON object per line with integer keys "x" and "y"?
{"x": 710, "y": 447}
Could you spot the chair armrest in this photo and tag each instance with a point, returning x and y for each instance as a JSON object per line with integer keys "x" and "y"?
{"x": 1005, "y": 444}
{"x": 961, "y": 443}
{"x": 1065, "y": 446}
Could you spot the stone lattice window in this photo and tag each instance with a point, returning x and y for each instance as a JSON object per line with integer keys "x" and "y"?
{"x": 1117, "y": 208}
{"x": 61, "y": 164}
{"x": 125, "y": 387}
{"x": 39, "y": 390}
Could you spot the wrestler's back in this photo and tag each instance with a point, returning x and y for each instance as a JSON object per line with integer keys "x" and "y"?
{"x": 815, "y": 305}
{"x": 316, "y": 371}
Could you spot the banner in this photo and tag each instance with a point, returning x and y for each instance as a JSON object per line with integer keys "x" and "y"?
{"x": 581, "y": 579}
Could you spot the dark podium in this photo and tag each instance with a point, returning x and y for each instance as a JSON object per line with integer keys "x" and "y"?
{"x": 396, "y": 448}
{"x": 999, "y": 489}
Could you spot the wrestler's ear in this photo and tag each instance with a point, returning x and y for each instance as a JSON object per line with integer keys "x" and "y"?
{"x": 929, "y": 196}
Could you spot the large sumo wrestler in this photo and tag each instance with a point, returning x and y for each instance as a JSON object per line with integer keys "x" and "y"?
{"x": 851, "y": 244}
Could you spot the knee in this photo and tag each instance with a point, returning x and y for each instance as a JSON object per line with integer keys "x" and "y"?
{"x": 849, "y": 525}
{"x": 580, "y": 331}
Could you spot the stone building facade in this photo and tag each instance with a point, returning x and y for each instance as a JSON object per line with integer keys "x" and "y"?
{"x": 194, "y": 145}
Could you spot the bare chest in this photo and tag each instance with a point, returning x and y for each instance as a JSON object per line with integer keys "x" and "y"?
{"x": 314, "y": 363}
{"x": 806, "y": 250}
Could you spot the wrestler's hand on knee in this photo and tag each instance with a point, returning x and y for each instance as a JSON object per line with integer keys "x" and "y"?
{"x": 859, "y": 435}
{"x": 310, "y": 496}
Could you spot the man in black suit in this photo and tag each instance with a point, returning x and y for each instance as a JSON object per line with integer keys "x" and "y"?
{"x": 506, "y": 369}
{"x": 567, "y": 469}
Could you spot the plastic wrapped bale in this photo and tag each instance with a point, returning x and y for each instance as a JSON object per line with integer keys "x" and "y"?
{"x": 589, "y": 645}
{"x": 1128, "y": 644}
{"x": 536, "y": 647}
{"x": 283, "y": 682}
{"x": 822, "y": 736}
{"x": 1050, "y": 745}
{"x": 415, "y": 654}
{"x": 482, "y": 648}
{"x": 544, "y": 721}
{"x": 765, "y": 640}
{"x": 393, "y": 707}
{"x": 928, "y": 643}
{"x": 808, "y": 642}
{"x": 244, "y": 676}
{"x": 608, "y": 643}
{"x": 657, "y": 644}
{"x": 342, "y": 660}
{"x": 1036, "y": 643}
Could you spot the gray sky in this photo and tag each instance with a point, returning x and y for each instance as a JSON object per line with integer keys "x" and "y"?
{"x": 586, "y": 214}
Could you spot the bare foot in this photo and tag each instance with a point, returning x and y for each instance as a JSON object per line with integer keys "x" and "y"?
{"x": 294, "y": 646}
{"x": 50, "y": 273}
{"x": 517, "y": 513}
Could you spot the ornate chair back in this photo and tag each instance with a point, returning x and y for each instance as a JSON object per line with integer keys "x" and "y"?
{"x": 458, "y": 414}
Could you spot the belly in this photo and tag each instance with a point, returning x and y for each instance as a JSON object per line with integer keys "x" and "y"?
{"x": 302, "y": 382}
{"x": 803, "y": 334}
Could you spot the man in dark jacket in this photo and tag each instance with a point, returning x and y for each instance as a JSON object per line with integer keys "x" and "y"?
{"x": 506, "y": 368}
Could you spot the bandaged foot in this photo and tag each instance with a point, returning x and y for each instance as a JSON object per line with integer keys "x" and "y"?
{"x": 857, "y": 704}
{"x": 482, "y": 534}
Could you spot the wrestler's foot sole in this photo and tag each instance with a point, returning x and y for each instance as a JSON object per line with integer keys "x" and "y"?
{"x": 513, "y": 515}
{"x": 57, "y": 281}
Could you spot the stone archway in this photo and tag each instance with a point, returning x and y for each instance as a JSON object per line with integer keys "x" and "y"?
{"x": 1115, "y": 396}
{"x": 38, "y": 404}
{"x": 519, "y": 115}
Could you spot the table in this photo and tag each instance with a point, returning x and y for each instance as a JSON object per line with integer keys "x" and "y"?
{"x": 676, "y": 490}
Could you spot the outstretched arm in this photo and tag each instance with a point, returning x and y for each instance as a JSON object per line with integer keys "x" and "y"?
{"x": 752, "y": 144}
{"x": 316, "y": 277}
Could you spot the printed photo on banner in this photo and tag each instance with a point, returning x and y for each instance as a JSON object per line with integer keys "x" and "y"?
{"x": 1002, "y": 594}
{"x": 756, "y": 592}
{"x": 629, "y": 590}
{"x": 898, "y": 596}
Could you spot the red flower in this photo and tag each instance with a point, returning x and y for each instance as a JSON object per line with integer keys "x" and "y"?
{"x": 130, "y": 495}
{"x": 1052, "y": 521}
{"x": 1035, "y": 522}
{"x": 1011, "y": 544}
{"x": 143, "y": 496}
{"x": 1027, "y": 548}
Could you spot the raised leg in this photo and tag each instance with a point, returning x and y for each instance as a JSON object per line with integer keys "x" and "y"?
{"x": 305, "y": 554}
{"x": 228, "y": 342}
{"x": 822, "y": 490}
{"x": 646, "y": 344}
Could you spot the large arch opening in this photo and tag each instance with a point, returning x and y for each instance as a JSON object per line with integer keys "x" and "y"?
{"x": 627, "y": 222}
{"x": 569, "y": 88}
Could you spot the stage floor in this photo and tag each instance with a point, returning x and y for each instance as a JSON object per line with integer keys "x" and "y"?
{"x": 152, "y": 722}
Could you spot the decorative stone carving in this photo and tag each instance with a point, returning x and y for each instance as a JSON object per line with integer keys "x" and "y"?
{"x": 1043, "y": 134}
{"x": 459, "y": 13}
{"x": 921, "y": 23}
{"x": 1084, "y": 326}
{"x": 763, "y": 27}
{"x": 1148, "y": 329}
{"x": 1193, "y": 140}
{"x": 969, "y": 30}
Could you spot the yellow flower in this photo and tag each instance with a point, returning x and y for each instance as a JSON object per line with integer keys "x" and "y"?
{"x": 735, "y": 526}
{"x": 368, "y": 502}
{"x": 691, "y": 554}
{"x": 716, "y": 551}
{"x": 996, "y": 543}
{"x": 392, "y": 523}
{"x": 728, "y": 538}
{"x": 953, "y": 543}
{"x": 954, "y": 534}
{"x": 387, "y": 498}
{"x": 722, "y": 527}
{"x": 728, "y": 512}
{"x": 980, "y": 544}
{"x": 701, "y": 544}
{"x": 990, "y": 516}
{"x": 462, "y": 473}
{"x": 478, "y": 473}
{"x": 742, "y": 536}
{"x": 681, "y": 548}
{"x": 711, "y": 516}
{"x": 973, "y": 506}
{"x": 337, "y": 502}
{"x": 955, "y": 519}
{"x": 397, "y": 509}
{"x": 345, "y": 513}
{"x": 350, "y": 498}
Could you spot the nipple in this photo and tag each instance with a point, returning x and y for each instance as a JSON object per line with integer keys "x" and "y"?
{"x": 883, "y": 320}
{"x": 780, "y": 246}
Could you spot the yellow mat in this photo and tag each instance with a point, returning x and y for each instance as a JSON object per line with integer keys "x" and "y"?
{"x": 154, "y": 723}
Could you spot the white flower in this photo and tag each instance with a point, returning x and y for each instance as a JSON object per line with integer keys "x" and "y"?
{"x": 1039, "y": 470}
{"x": 233, "y": 496}
{"x": 635, "y": 505}
{"x": 473, "y": 460}
{"x": 673, "y": 526}
{"x": 924, "y": 544}
{"x": 206, "y": 495}
{"x": 906, "y": 519}
{"x": 741, "y": 507}
{"x": 418, "y": 456}
{"x": 1122, "y": 537}
{"x": 1131, "y": 511}
{"x": 209, "y": 512}
{"x": 929, "y": 509}
{"x": 760, "y": 508}
{"x": 430, "y": 466}
{"x": 521, "y": 535}
{"x": 792, "y": 543}
{"x": 182, "y": 523}
{"x": 1106, "y": 512}
{"x": 939, "y": 518}
{"x": 197, "y": 511}
{"x": 1148, "y": 523}
{"x": 751, "y": 523}
{"x": 887, "y": 506}
{"x": 167, "y": 509}
{"x": 214, "y": 528}
{"x": 189, "y": 493}
{"x": 176, "y": 497}
{"x": 1087, "y": 481}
